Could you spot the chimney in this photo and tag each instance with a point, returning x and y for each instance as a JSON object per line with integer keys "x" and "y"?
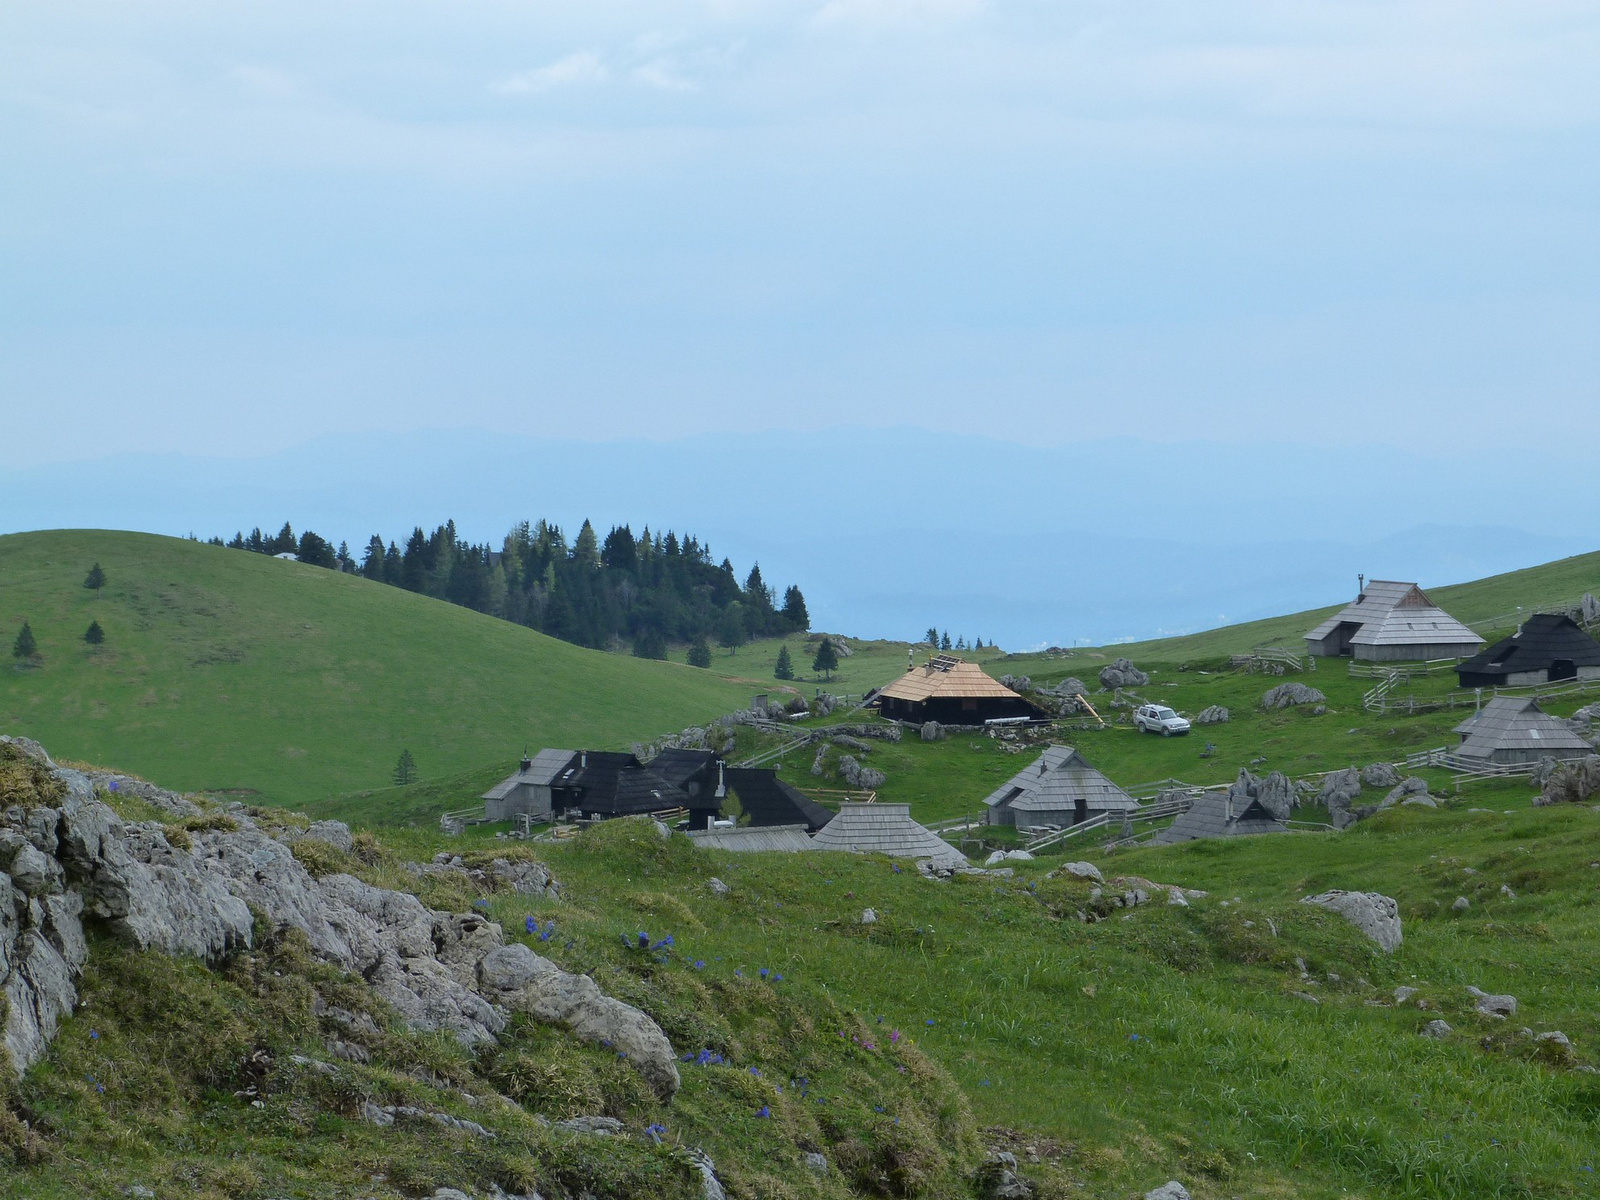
{"x": 722, "y": 783}
{"x": 583, "y": 758}
{"x": 1361, "y": 585}
{"x": 527, "y": 763}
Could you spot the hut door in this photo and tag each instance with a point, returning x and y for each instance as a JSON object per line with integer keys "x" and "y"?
{"x": 1563, "y": 668}
{"x": 1080, "y": 811}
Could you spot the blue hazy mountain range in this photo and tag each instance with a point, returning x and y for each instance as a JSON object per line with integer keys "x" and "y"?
{"x": 889, "y": 531}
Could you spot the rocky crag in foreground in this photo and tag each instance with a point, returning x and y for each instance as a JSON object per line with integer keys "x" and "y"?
{"x": 67, "y": 858}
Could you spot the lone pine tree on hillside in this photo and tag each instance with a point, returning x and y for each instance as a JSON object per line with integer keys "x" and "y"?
{"x": 827, "y": 660}
{"x": 94, "y": 635}
{"x": 785, "y": 667}
{"x": 25, "y": 647}
{"x": 95, "y": 580}
{"x": 405, "y": 771}
{"x": 700, "y": 653}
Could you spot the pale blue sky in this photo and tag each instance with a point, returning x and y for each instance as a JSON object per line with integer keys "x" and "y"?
{"x": 228, "y": 227}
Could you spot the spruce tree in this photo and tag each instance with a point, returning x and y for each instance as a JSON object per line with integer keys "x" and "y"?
{"x": 700, "y": 653}
{"x": 731, "y": 631}
{"x": 94, "y": 635}
{"x": 785, "y": 668}
{"x": 25, "y": 647}
{"x": 405, "y": 771}
{"x": 944, "y": 640}
{"x": 827, "y": 660}
{"x": 95, "y": 580}
{"x": 932, "y": 637}
{"x": 794, "y": 610}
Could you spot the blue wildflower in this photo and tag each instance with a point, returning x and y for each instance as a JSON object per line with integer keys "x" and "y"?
{"x": 699, "y": 964}
{"x": 763, "y": 1112}
{"x": 644, "y": 941}
{"x": 654, "y": 1132}
{"x": 756, "y": 1071}
{"x": 763, "y": 972}
{"x": 531, "y": 925}
{"x": 544, "y": 935}
{"x": 481, "y": 904}
{"x": 94, "y": 1035}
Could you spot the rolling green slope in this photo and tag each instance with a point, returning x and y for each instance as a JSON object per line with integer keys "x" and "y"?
{"x": 226, "y": 670}
{"x": 1547, "y": 585}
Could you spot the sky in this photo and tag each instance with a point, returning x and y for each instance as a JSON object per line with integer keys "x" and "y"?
{"x": 234, "y": 228}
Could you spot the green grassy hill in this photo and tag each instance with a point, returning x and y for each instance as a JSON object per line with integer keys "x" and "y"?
{"x": 1550, "y": 584}
{"x": 223, "y": 670}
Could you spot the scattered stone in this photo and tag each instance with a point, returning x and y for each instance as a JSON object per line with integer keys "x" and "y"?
{"x": 373, "y": 1115}
{"x": 1214, "y": 714}
{"x": 1403, "y": 993}
{"x": 1339, "y": 789}
{"x": 869, "y": 916}
{"x": 596, "y": 1126}
{"x": 858, "y": 776}
{"x": 1171, "y": 1190}
{"x": 1420, "y": 802}
{"x": 1080, "y": 870}
{"x": 1072, "y": 686}
{"x": 718, "y": 888}
{"x": 816, "y": 1163}
{"x": 1376, "y": 915}
{"x": 1505, "y": 890}
{"x": 1461, "y": 905}
{"x": 1287, "y": 695}
{"x": 1436, "y": 1029}
{"x": 931, "y": 731}
{"x": 1121, "y": 673}
{"x": 997, "y": 1178}
{"x": 1175, "y": 898}
{"x": 1305, "y": 996}
{"x": 1380, "y": 775}
{"x": 1491, "y": 1005}
{"x": 710, "y": 1186}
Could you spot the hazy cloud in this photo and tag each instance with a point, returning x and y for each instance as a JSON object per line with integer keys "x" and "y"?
{"x": 580, "y": 68}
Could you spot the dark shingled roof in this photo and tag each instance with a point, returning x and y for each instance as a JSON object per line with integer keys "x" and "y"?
{"x": 1209, "y": 818}
{"x": 615, "y": 785}
{"x": 770, "y": 801}
{"x": 695, "y": 771}
{"x": 1543, "y": 638}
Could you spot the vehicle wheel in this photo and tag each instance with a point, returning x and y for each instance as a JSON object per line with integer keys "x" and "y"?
{"x": 1166, "y": 733}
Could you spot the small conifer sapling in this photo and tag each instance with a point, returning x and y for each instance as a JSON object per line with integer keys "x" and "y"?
{"x": 94, "y": 635}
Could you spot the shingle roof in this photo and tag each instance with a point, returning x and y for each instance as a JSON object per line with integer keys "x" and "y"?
{"x": 1516, "y": 723}
{"x": 1208, "y": 817}
{"x": 1057, "y": 779}
{"x": 1543, "y": 638}
{"x": 772, "y": 802}
{"x": 543, "y": 767}
{"x": 754, "y": 837}
{"x": 946, "y": 677}
{"x": 1392, "y": 613}
{"x": 618, "y": 784}
{"x": 885, "y": 829}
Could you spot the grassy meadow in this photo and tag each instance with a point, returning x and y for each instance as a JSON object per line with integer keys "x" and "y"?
{"x": 283, "y": 683}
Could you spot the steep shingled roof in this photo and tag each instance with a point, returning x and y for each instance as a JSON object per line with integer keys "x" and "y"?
{"x": 1543, "y": 638}
{"x": 544, "y": 767}
{"x": 1056, "y": 780}
{"x": 885, "y": 829}
{"x": 1209, "y": 817}
{"x": 1517, "y": 723}
{"x": 1393, "y": 613}
{"x": 946, "y": 677}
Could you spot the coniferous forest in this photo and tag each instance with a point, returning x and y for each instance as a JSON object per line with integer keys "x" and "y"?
{"x": 643, "y": 591}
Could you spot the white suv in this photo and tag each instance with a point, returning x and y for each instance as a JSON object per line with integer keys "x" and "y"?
{"x": 1158, "y": 718}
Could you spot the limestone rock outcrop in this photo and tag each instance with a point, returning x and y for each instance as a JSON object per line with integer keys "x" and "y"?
{"x": 67, "y": 857}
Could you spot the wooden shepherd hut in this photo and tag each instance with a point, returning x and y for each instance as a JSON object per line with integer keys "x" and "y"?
{"x": 1546, "y": 648}
{"x": 1219, "y": 814}
{"x": 1514, "y": 729}
{"x": 885, "y": 829}
{"x": 1392, "y": 622}
{"x": 527, "y": 792}
{"x": 1058, "y": 788}
{"x": 951, "y": 691}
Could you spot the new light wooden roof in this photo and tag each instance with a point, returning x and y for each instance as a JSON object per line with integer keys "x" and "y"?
{"x": 947, "y": 677}
{"x": 1392, "y": 613}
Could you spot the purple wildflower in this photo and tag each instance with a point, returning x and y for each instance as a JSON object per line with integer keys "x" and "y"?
{"x": 763, "y": 1112}
{"x": 531, "y": 925}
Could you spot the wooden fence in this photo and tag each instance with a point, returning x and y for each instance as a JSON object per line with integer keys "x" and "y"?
{"x": 1382, "y": 700}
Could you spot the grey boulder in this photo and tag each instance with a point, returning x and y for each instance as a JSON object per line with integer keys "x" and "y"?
{"x": 1376, "y": 915}
{"x": 1287, "y": 695}
{"x": 1121, "y": 673}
